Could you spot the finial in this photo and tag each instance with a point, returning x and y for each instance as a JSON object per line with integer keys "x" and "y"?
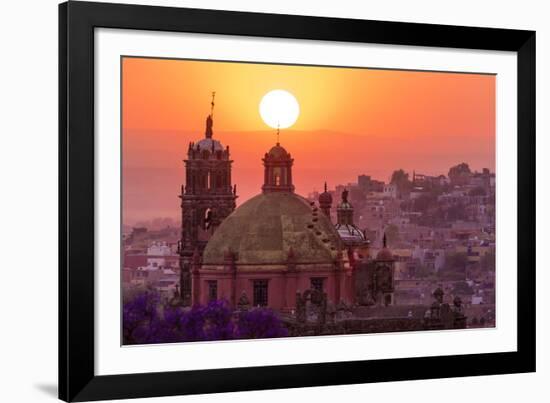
{"x": 209, "y": 120}
{"x": 384, "y": 240}
{"x": 345, "y": 195}
{"x": 212, "y": 104}
{"x": 325, "y": 186}
{"x": 278, "y": 130}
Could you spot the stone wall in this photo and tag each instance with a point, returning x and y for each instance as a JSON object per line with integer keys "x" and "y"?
{"x": 356, "y": 326}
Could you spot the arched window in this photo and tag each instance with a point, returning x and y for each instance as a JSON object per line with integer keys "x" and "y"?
{"x": 277, "y": 176}
{"x": 207, "y": 220}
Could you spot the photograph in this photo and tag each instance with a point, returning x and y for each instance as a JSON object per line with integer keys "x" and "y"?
{"x": 245, "y": 201}
{"x": 266, "y": 200}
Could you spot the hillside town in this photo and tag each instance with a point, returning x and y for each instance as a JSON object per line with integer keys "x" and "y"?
{"x": 440, "y": 230}
{"x": 414, "y": 253}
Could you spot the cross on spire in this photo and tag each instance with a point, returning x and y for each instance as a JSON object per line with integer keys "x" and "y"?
{"x": 210, "y": 120}
{"x": 212, "y": 104}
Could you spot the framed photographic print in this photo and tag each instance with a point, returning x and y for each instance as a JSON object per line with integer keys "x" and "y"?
{"x": 259, "y": 201}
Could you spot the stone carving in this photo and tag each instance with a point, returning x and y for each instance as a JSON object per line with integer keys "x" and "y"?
{"x": 345, "y": 194}
{"x": 311, "y": 306}
{"x": 443, "y": 316}
{"x": 457, "y": 305}
{"x": 176, "y": 298}
{"x": 244, "y": 303}
{"x": 343, "y": 311}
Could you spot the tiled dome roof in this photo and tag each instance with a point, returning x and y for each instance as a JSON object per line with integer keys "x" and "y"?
{"x": 206, "y": 144}
{"x": 265, "y": 228}
{"x": 278, "y": 152}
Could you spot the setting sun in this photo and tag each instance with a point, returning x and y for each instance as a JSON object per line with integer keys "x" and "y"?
{"x": 279, "y": 109}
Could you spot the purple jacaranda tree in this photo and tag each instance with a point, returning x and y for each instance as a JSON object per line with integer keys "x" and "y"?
{"x": 259, "y": 323}
{"x": 218, "y": 321}
{"x": 146, "y": 321}
{"x": 210, "y": 322}
{"x": 140, "y": 317}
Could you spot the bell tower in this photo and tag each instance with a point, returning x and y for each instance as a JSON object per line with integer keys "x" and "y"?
{"x": 277, "y": 170}
{"x": 207, "y": 198}
{"x": 325, "y": 201}
{"x": 344, "y": 210}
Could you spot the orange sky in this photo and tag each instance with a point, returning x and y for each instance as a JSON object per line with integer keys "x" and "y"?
{"x": 352, "y": 121}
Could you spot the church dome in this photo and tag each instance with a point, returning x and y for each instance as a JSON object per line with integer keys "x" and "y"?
{"x": 206, "y": 144}
{"x": 345, "y": 205}
{"x": 270, "y": 227}
{"x": 384, "y": 255}
{"x": 278, "y": 152}
{"x": 325, "y": 198}
{"x": 350, "y": 234}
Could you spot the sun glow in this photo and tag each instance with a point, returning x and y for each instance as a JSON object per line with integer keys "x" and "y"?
{"x": 279, "y": 109}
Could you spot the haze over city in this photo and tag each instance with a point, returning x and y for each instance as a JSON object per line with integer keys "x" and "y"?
{"x": 352, "y": 122}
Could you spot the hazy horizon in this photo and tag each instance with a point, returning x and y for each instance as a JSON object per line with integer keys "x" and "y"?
{"x": 163, "y": 178}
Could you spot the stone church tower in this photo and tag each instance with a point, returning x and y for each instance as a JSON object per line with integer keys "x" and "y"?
{"x": 277, "y": 170}
{"x": 325, "y": 201}
{"x": 207, "y": 198}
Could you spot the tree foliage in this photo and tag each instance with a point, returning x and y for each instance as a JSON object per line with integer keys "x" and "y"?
{"x": 459, "y": 174}
{"x": 145, "y": 321}
{"x": 423, "y": 271}
{"x": 455, "y": 266}
{"x": 400, "y": 179}
{"x": 392, "y": 234}
{"x": 456, "y": 261}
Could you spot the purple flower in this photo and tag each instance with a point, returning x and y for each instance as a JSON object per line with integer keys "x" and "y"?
{"x": 260, "y": 323}
{"x": 146, "y": 321}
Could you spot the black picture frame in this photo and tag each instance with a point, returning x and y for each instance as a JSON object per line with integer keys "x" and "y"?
{"x": 77, "y": 379}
